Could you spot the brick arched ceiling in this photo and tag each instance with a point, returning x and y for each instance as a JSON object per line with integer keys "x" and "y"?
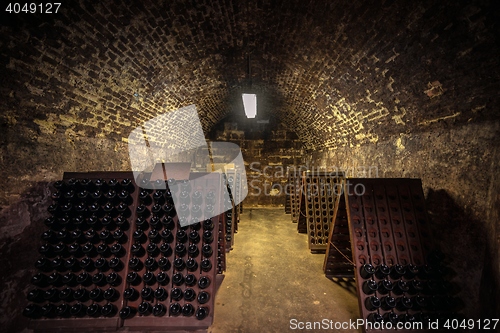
{"x": 335, "y": 72}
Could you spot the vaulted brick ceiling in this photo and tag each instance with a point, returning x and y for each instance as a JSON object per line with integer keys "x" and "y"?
{"x": 335, "y": 72}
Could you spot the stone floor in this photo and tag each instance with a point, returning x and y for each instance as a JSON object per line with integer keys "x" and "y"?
{"x": 272, "y": 279}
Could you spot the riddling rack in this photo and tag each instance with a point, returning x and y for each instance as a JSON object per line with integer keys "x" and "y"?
{"x": 399, "y": 278}
{"x": 115, "y": 254}
{"x": 294, "y": 192}
{"x": 321, "y": 192}
{"x": 338, "y": 259}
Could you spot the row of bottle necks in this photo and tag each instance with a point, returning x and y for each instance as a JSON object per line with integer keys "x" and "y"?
{"x": 111, "y": 294}
{"x": 391, "y": 319}
{"x": 95, "y": 310}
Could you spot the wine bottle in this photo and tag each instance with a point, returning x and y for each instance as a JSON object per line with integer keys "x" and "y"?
{"x": 187, "y": 310}
{"x": 51, "y": 295}
{"x": 208, "y": 237}
{"x": 179, "y": 264}
{"x": 145, "y": 309}
{"x": 367, "y": 271}
{"x": 47, "y": 250}
{"x": 180, "y": 249}
{"x": 131, "y": 294}
{"x": 127, "y": 312}
{"x": 147, "y": 294}
{"x": 70, "y": 279}
{"x": 193, "y": 250}
{"x": 400, "y": 287}
{"x": 387, "y": 303}
{"x": 96, "y": 294}
{"x": 177, "y": 279}
{"x": 49, "y": 310}
{"x": 192, "y": 265}
{"x": 99, "y": 279}
{"x": 43, "y": 264}
{"x": 117, "y": 250}
{"x": 203, "y": 297}
{"x": 155, "y": 223}
{"x": 181, "y": 236}
{"x": 190, "y": 279}
{"x": 55, "y": 279}
{"x": 372, "y": 303}
{"x": 175, "y": 309}
{"x": 189, "y": 294}
{"x": 206, "y": 265}
{"x": 111, "y": 294}
{"x": 162, "y": 279}
{"x": 153, "y": 250}
{"x": 208, "y": 225}
{"x": 149, "y": 278}
{"x": 109, "y": 310}
{"x": 94, "y": 310}
{"x": 137, "y": 250}
{"x": 204, "y": 282}
{"x": 35, "y": 296}
{"x": 415, "y": 287}
{"x": 66, "y": 295}
{"x": 63, "y": 310}
{"x": 150, "y": 263}
{"x": 385, "y": 286}
{"x": 135, "y": 264}
{"x": 116, "y": 264}
{"x": 194, "y": 237}
{"x": 397, "y": 271}
{"x": 81, "y": 295}
{"x": 84, "y": 279}
{"x": 113, "y": 279}
{"x": 419, "y": 302}
{"x": 167, "y": 236}
{"x": 176, "y": 294}
{"x": 141, "y": 223}
{"x": 164, "y": 263}
{"x": 103, "y": 250}
{"x": 33, "y": 311}
{"x": 161, "y": 294}
{"x": 369, "y": 287}
{"x": 78, "y": 310}
{"x": 122, "y": 222}
{"x": 201, "y": 313}
{"x": 404, "y": 303}
{"x": 391, "y": 317}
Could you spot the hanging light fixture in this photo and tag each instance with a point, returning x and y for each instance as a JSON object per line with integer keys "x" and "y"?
{"x": 250, "y": 104}
{"x": 249, "y": 99}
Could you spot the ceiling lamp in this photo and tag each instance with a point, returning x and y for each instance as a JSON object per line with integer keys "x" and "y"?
{"x": 250, "y": 105}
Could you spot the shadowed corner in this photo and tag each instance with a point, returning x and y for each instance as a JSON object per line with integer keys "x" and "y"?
{"x": 465, "y": 243}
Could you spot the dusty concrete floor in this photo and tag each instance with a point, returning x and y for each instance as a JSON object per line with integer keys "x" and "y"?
{"x": 272, "y": 278}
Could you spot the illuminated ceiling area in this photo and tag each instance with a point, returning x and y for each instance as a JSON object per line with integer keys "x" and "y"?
{"x": 342, "y": 73}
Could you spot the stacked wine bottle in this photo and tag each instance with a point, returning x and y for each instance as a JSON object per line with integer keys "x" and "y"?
{"x": 230, "y": 213}
{"x": 81, "y": 265}
{"x": 399, "y": 278}
{"x": 117, "y": 252}
{"x": 408, "y": 293}
{"x": 295, "y": 190}
{"x": 172, "y": 270}
{"x": 322, "y": 194}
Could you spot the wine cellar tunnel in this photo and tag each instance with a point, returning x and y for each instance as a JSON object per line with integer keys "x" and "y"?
{"x": 373, "y": 89}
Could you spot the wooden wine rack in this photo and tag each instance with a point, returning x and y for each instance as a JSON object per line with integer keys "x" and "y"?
{"x": 321, "y": 194}
{"x": 213, "y": 183}
{"x": 383, "y": 222}
{"x": 294, "y": 192}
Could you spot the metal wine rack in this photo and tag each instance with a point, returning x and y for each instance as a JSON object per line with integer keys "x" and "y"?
{"x": 294, "y": 191}
{"x": 398, "y": 276}
{"x": 322, "y": 194}
{"x": 118, "y": 257}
